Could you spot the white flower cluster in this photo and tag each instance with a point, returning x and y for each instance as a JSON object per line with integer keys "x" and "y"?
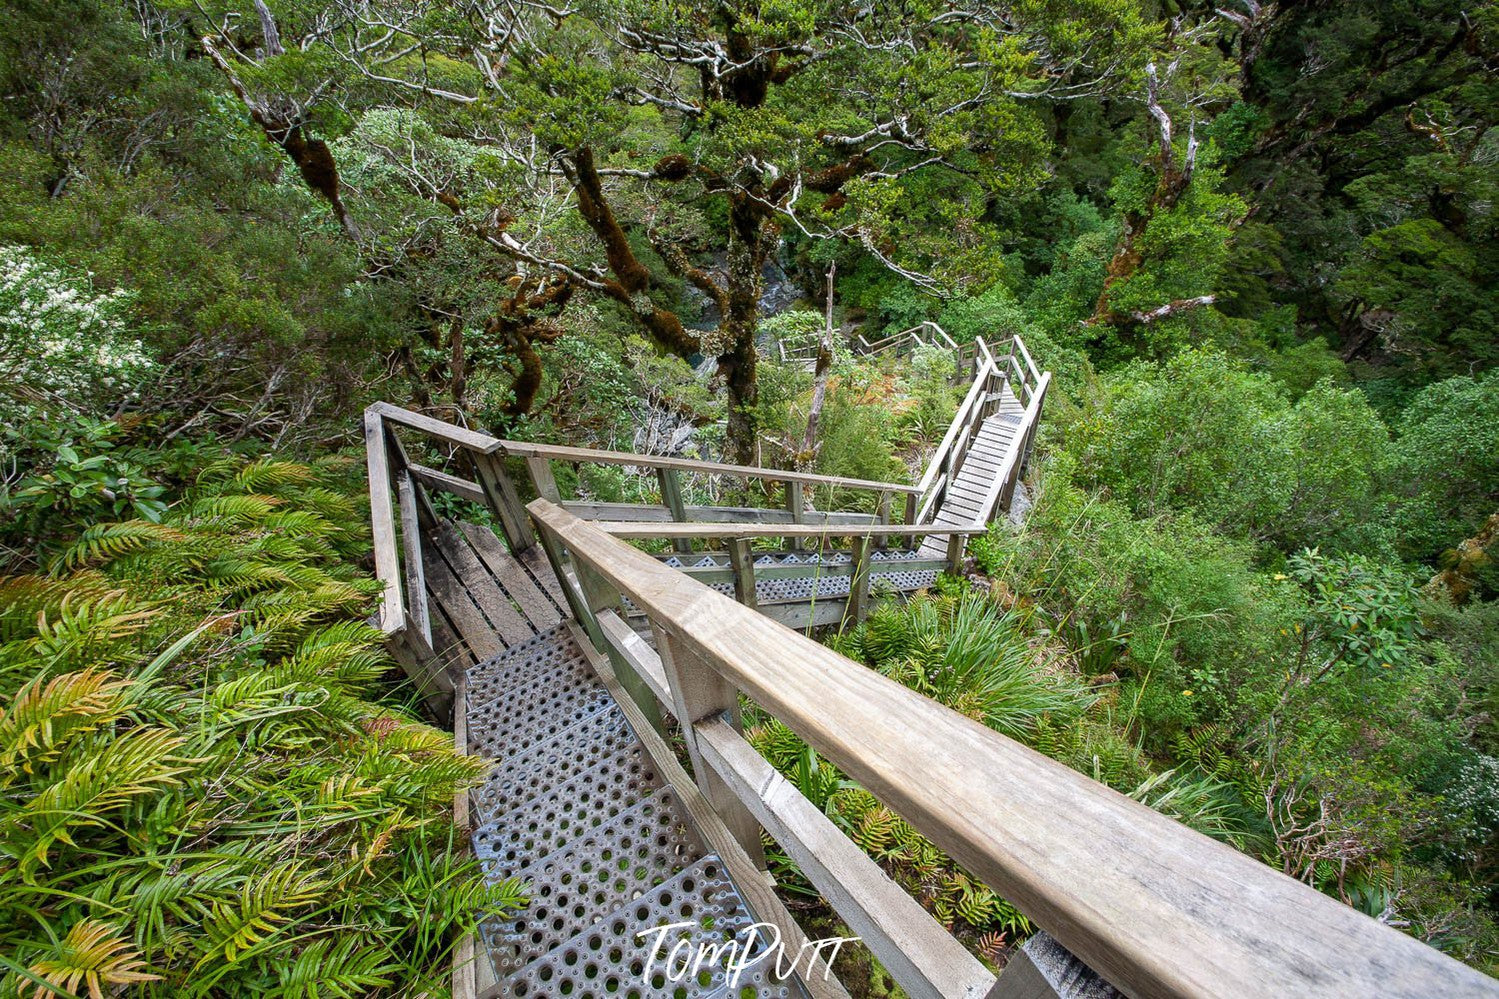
{"x": 58, "y": 335}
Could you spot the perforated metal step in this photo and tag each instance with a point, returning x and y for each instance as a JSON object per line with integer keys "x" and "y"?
{"x": 529, "y": 775}
{"x": 608, "y": 960}
{"x": 576, "y": 810}
{"x": 561, "y": 692}
{"x": 592, "y": 876}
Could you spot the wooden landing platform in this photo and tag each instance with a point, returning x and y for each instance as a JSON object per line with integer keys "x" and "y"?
{"x": 484, "y": 599}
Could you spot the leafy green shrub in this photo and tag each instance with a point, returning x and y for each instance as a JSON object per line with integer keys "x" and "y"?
{"x": 202, "y": 793}
{"x": 1447, "y": 454}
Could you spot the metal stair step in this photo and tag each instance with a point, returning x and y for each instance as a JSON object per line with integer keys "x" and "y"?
{"x": 572, "y": 888}
{"x": 522, "y": 836}
{"x": 510, "y": 724}
{"x": 529, "y": 775}
{"x": 608, "y": 960}
{"x": 551, "y": 651}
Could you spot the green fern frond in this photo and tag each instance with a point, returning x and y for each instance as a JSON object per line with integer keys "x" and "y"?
{"x": 93, "y": 955}
{"x": 348, "y": 967}
{"x": 271, "y": 474}
{"x": 44, "y": 717}
{"x": 263, "y": 907}
{"x": 91, "y": 786}
{"x": 107, "y": 542}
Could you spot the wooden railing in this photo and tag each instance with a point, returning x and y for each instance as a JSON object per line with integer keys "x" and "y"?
{"x": 401, "y": 511}
{"x": 1157, "y": 909}
{"x": 1015, "y": 369}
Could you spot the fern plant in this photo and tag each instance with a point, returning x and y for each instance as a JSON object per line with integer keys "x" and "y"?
{"x": 208, "y": 789}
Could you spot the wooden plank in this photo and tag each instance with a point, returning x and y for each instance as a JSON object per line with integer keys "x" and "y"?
{"x": 383, "y": 523}
{"x": 540, "y": 569}
{"x": 510, "y": 623}
{"x": 447, "y": 646}
{"x": 742, "y": 569}
{"x": 753, "y": 883}
{"x": 650, "y": 513}
{"x": 446, "y": 432}
{"x": 627, "y": 530}
{"x": 443, "y": 482}
{"x": 513, "y": 578}
{"x": 582, "y": 454}
{"x": 465, "y": 615}
{"x": 924, "y": 959}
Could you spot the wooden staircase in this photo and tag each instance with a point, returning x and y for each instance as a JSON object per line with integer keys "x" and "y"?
{"x": 568, "y": 656}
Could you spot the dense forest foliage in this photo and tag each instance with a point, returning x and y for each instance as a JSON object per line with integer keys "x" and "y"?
{"x": 1255, "y": 243}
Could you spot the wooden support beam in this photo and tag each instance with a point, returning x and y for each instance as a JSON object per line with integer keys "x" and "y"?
{"x": 882, "y": 516}
{"x": 637, "y": 666}
{"x": 955, "y": 553}
{"x": 399, "y": 464}
{"x": 796, "y": 504}
{"x": 383, "y": 524}
{"x": 671, "y": 498}
{"x": 742, "y": 562}
{"x": 418, "y": 613}
{"x": 541, "y": 476}
{"x": 925, "y": 960}
{"x": 699, "y": 692}
{"x": 504, "y": 502}
{"x": 858, "y": 583}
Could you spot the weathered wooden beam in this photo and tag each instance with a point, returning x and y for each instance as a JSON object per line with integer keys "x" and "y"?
{"x": 742, "y": 564}
{"x": 383, "y": 523}
{"x": 700, "y": 692}
{"x": 418, "y": 613}
{"x": 543, "y": 479}
{"x": 859, "y": 580}
{"x": 441, "y": 481}
{"x": 504, "y": 502}
{"x": 925, "y": 960}
{"x": 671, "y": 498}
{"x": 796, "y": 505}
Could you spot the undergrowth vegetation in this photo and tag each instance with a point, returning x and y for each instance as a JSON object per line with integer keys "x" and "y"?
{"x": 206, "y": 789}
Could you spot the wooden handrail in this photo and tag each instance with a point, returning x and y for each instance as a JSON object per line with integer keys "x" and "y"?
{"x": 484, "y": 444}
{"x": 1003, "y": 485}
{"x": 634, "y": 529}
{"x": 1158, "y": 909}
{"x": 560, "y": 452}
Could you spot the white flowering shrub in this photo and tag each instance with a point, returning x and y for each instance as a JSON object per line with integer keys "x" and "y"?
{"x": 60, "y": 337}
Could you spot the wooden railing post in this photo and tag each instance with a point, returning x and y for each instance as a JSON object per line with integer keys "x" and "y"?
{"x": 955, "y": 553}
{"x": 599, "y": 596}
{"x": 504, "y": 501}
{"x": 743, "y": 565}
{"x": 542, "y": 477}
{"x": 858, "y": 583}
{"x": 418, "y": 613}
{"x": 882, "y": 516}
{"x": 698, "y": 692}
{"x": 671, "y": 497}
{"x": 796, "y": 504}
